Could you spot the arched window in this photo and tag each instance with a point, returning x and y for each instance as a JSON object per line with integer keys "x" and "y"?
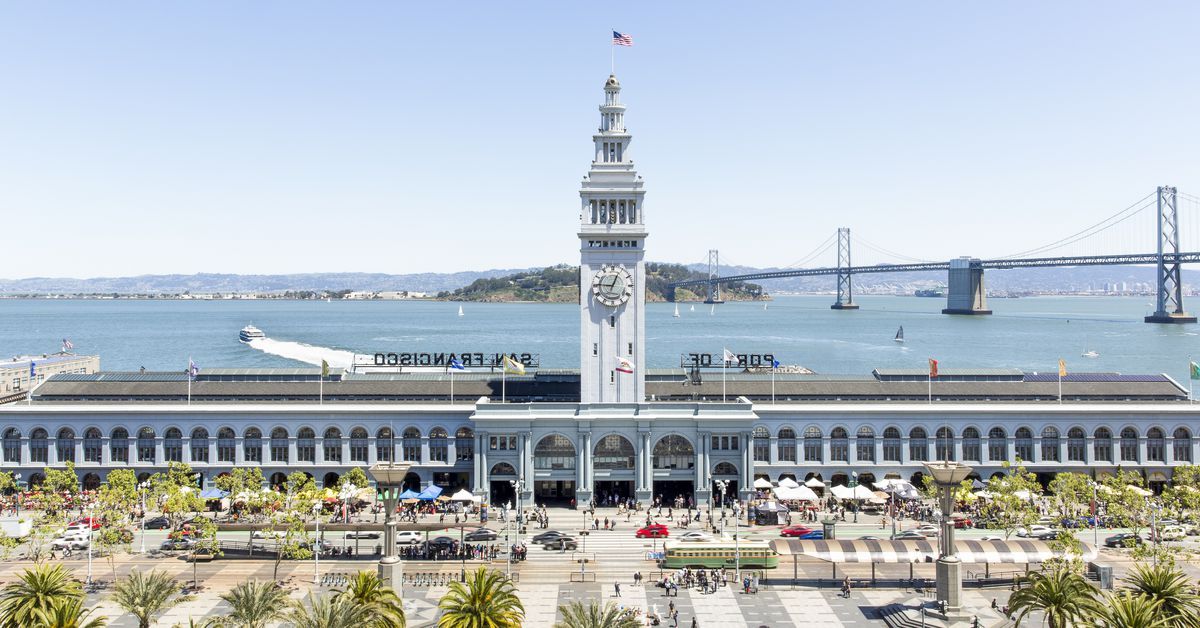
{"x": 1076, "y": 445}
{"x": 12, "y": 445}
{"x": 1182, "y": 445}
{"x": 1050, "y": 444}
{"x": 65, "y": 444}
{"x": 944, "y": 443}
{"x": 1024, "y": 444}
{"x": 93, "y": 451}
{"x": 554, "y": 452}
{"x": 464, "y": 444}
{"x": 1102, "y": 445}
{"x": 358, "y": 445}
{"x": 724, "y": 468}
{"x": 145, "y": 445}
{"x": 252, "y": 442}
{"x": 812, "y": 444}
{"x": 786, "y": 445}
{"x": 410, "y": 444}
{"x": 503, "y": 468}
{"x": 118, "y": 445}
{"x": 226, "y": 445}
{"x": 173, "y": 445}
{"x": 1154, "y": 444}
{"x": 1129, "y": 445}
{"x": 385, "y": 444}
{"x": 971, "y": 446}
{"x": 918, "y": 444}
{"x": 613, "y": 451}
{"x": 333, "y": 445}
{"x": 439, "y": 445}
{"x": 674, "y": 452}
{"x": 279, "y": 445}
{"x": 200, "y": 445}
{"x": 865, "y": 444}
{"x": 997, "y": 444}
{"x": 891, "y": 444}
{"x": 39, "y": 446}
{"x": 839, "y": 445}
{"x": 762, "y": 444}
{"x": 306, "y": 445}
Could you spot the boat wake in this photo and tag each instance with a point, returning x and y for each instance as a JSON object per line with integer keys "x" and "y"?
{"x": 301, "y": 352}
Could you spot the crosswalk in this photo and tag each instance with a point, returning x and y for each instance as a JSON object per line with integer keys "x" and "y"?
{"x": 610, "y": 555}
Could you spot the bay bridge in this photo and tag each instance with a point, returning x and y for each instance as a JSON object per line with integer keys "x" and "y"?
{"x": 965, "y": 285}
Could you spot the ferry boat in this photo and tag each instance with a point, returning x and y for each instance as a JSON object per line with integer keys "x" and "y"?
{"x": 250, "y": 332}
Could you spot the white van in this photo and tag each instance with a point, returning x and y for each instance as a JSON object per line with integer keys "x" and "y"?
{"x": 1172, "y": 533}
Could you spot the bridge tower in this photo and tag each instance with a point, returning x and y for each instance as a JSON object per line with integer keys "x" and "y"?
{"x": 845, "y": 286}
{"x": 1170, "y": 286}
{"x": 714, "y": 274}
{"x": 964, "y": 291}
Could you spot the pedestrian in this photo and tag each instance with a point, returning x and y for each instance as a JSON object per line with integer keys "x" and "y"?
{"x": 846, "y": 587}
{"x": 617, "y": 587}
{"x": 694, "y": 623}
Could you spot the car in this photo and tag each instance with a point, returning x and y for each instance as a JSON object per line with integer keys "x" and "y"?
{"x": 992, "y": 537}
{"x": 174, "y": 545}
{"x": 870, "y": 538}
{"x": 560, "y": 543}
{"x": 985, "y": 523}
{"x": 442, "y": 541}
{"x": 480, "y": 534}
{"x": 1032, "y": 530}
{"x": 76, "y": 529}
{"x": 546, "y": 536}
{"x": 653, "y": 531}
{"x": 87, "y": 521}
{"x": 908, "y": 535}
{"x": 795, "y": 531}
{"x": 928, "y": 529}
{"x": 961, "y": 522}
{"x": 363, "y": 534}
{"x": 158, "y": 523}
{"x": 201, "y": 555}
{"x": 1169, "y": 533}
{"x": 813, "y": 535}
{"x": 1047, "y": 535}
{"x": 695, "y": 536}
{"x": 1124, "y": 539}
{"x": 408, "y": 537}
{"x": 268, "y": 534}
{"x": 70, "y": 542}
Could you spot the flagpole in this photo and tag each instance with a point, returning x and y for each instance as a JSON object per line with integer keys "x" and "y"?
{"x": 724, "y": 368}
{"x": 1060, "y": 385}
{"x": 612, "y": 52}
{"x": 321, "y": 391}
{"x": 929, "y": 378}
{"x": 772, "y": 384}
{"x": 503, "y": 382}
{"x": 451, "y": 386}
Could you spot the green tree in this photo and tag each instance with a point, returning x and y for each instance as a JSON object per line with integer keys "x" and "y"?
{"x": 1010, "y": 504}
{"x": 204, "y": 537}
{"x": 328, "y": 611}
{"x": 7, "y": 483}
{"x": 1072, "y": 493}
{"x": 255, "y": 604}
{"x": 242, "y": 480}
{"x": 355, "y": 476}
{"x": 486, "y": 599}
{"x": 367, "y": 589}
{"x": 593, "y": 615}
{"x": 1166, "y": 583}
{"x": 35, "y": 591}
{"x": 178, "y": 494}
{"x": 1063, "y": 596}
{"x": 1183, "y": 495}
{"x": 61, "y": 480}
{"x": 1127, "y": 609}
{"x": 68, "y": 613}
{"x": 1125, "y": 502}
{"x": 146, "y": 595}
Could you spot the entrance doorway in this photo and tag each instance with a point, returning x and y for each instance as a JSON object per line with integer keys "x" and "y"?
{"x": 668, "y": 490}
{"x": 611, "y": 491}
{"x": 555, "y": 492}
{"x": 502, "y": 494}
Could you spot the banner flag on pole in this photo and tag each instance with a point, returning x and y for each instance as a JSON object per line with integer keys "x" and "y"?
{"x": 1062, "y": 368}
{"x": 457, "y": 365}
{"x": 933, "y": 373}
{"x": 624, "y": 366}
{"x": 728, "y": 356}
{"x": 1195, "y": 368}
{"x": 324, "y": 368}
{"x": 512, "y": 366}
{"x": 622, "y": 39}
{"x": 192, "y": 369}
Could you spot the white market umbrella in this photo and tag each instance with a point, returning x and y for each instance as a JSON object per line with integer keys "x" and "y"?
{"x": 814, "y": 483}
{"x": 862, "y": 492}
{"x": 842, "y": 492}
{"x": 762, "y": 483}
{"x": 800, "y": 493}
{"x": 1140, "y": 491}
{"x": 462, "y": 495}
{"x": 788, "y": 483}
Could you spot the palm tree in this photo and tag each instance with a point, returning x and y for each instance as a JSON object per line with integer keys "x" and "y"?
{"x": 1167, "y": 584}
{"x": 255, "y": 603}
{"x": 1130, "y": 610}
{"x": 209, "y": 622}
{"x": 486, "y": 600}
{"x": 37, "y": 589}
{"x": 67, "y": 613}
{"x": 366, "y": 588}
{"x": 146, "y": 595}
{"x": 1063, "y": 595}
{"x": 593, "y": 615}
{"x": 328, "y": 611}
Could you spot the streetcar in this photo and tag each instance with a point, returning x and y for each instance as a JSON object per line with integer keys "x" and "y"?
{"x": 717, "y": 554}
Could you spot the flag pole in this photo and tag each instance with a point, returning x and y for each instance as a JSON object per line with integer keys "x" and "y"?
{"x": 772, "y": 384}
{"x": 503, "y": 382}
{"x": 612, "y": 53}
{"x": 724, "y": 368}
{"x": 321, "y": 391}
{"x": 929, "y": 378}
{"x": 451, "y": 386}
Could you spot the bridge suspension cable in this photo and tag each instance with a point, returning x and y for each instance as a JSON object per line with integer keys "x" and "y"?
{"x": 860, "y": 241}
{"x": 1136, "y": 208}
{"x": 815, "y": 253}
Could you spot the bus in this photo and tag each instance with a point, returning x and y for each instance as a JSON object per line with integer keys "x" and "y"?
{"x": 717, "y": 554}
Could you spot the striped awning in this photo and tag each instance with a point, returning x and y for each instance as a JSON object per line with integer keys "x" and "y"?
{"x": 968, "y": 551}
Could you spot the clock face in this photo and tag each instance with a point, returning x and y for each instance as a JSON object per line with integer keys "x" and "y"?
{"x": 612, "y": 286}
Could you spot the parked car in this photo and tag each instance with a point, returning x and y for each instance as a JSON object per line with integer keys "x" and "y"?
{"x": 174, "y": 545}
{"x": 1047, "y": 535}
{"x": 546, "y": 536}
{"x": 560, "y": 543}
{"x": 480, "y": 534}
{"x": 87, "y": 521}
{"x": 69, "y": 541}
{"x": 1124, "y": 539}
{"x": 653, "y": 531}
{"x": 961, "y": 522}
{"x": 363, "y": 534}
{"x": 158, "y": 523}
{"x": 1169, "y": 533}
{"x": 908, "y": 535}
{"x": 814, "y": 535}
{"x": 408, "y": 537}
{"x": 795, "y": 531}
{"x": 695, "y": 536}
{"x": 1033, "y": 530}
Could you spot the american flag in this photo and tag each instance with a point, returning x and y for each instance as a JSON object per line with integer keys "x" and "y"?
{"x": 622, "y": 40}
{"x": 67, "y": 344}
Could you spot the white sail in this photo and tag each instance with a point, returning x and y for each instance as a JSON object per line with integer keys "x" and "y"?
{"x": 693, "y": 308}
{"x": 460, "y": 312}
{"x": 676, "y": 310}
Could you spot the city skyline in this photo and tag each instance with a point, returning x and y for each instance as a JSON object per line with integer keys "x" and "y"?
{"x": 399, "y": 140}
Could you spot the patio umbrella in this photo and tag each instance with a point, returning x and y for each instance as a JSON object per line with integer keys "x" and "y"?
{"x": 861, "y": 492}
{"x": 814, "y": 483}
{"x": 462, "y": 495}
{"x": 789, "y": 483}
{"x": 1140, "y": 491}
{"x": 762, "y": 483}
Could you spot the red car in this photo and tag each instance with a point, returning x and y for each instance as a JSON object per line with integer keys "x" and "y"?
{"x": 653, "y": 531}
{"x": 961, "y": 523}
{"x": 795, "y": 531}
{"x": 87, "y": 521}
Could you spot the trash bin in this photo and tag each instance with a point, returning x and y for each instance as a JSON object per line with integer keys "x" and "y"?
{"x": 1104, "y": 574}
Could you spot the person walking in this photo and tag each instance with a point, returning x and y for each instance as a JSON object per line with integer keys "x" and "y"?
{"x": 617, "y": 587}
{"x": 846, "y": 587}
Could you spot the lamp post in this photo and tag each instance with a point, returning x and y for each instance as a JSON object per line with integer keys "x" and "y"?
{"x": 508, "y": 522}
{"x": 317, "y": 543}
{"x": 17, "y": 484}
{"x": 142, "y": 493}
{"x": 89, "y": 520}
{"x": 722, "y": 485}
{"x": 948, "y": 475}
{"x": 853, "y": 484}
{"x": 389, "y": 481}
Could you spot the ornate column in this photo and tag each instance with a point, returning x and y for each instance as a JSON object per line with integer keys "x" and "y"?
{"x": 346, "y": 450}
{"x": 105, "y": 451}
{"x": 773, "y": 450}
{"x": 905, "y": 452}
{"x": 293, "y": 453}
{"x": 372, "y": 454}
{"x": 25, "y": 449}
{"x": 703, "y": 462}
{"x": 186, "y": 444}
{"x": 159, "y": 457}
{"x": 1141, "y": 449}
{"x": 425, "y": 448}
{"x": 1089, "y": 450}
{"x": 1169, "y": 450}
{"x": 319, "y": 450}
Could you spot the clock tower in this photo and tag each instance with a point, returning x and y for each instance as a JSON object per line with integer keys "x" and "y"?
{"x": 612, "y": 268}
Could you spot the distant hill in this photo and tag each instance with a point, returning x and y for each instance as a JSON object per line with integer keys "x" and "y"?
{"x": 560, "y": 284}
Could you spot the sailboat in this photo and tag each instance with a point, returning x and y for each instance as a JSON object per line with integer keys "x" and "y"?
{"x": 1090, "y": 353}
{"x": 693, "y": 308}
{"x": 676, "y": 310}
{"x": 713, "y": 310}
{"x": 899, "y": 335}
{"x": 764, "y": 307}
{"x": 460, "y": 312}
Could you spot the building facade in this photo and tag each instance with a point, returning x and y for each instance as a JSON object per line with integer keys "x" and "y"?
{"x": 20, "y": 374}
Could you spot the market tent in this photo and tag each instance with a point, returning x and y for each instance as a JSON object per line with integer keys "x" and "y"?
{"x": 430, "y": 493}
{"x": 213, "y": 493}
{"x": 1140, "y": 491}
{"x": 861, "y": 492}
{"x": 842, "y": 492}
{"x": 814, "y": 483}
{"x": 762, "y": 483}
{"x": 409, "y": 494}
{"x": 462, "y": 496}
{"x": 801, "y": 493}
{"x": 968, "y": 551}
{"x": 788, "y": 483}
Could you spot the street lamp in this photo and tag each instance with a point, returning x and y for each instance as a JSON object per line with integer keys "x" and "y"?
{"x": 721, "y": 485}
{"x": 853, "y": 484}
{"x": 89, "y": 520}
{"x": 948, "y": 476}
{"x": 317, "y": 543}
{"x": 17, "y": 484}
{"x": 389, "y": 480}
{"x": 142, "y": 493}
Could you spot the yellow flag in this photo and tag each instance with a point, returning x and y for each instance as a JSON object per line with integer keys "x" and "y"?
{"x": 1062, "y": 368}
{"x": 513, "y": 367}
{"x": 324, "y": 368}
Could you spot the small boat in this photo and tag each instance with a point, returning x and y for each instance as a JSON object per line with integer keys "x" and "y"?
{"x": 693, "y": 308}
{"x": 676, "y": 310}
{"x": 250, "y": 332}
{"x": 764, "y": 307}
{"x": 1090, "y": 354}
{"x": 899, "y": 334}
{"x": 328, "y": 300}
{"x": 713, "y": 310}
{"x": 460, "y": 312}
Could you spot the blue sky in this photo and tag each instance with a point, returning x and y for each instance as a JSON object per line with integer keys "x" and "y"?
{"x": 397, "y": 137}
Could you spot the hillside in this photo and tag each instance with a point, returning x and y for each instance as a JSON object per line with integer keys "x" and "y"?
{"x": 560, "y": 284}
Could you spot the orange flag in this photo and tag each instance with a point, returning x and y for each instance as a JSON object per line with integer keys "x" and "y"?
{"x": 932, "y": 368}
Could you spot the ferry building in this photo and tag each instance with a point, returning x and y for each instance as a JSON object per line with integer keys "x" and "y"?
{"x": 610, "y": 427}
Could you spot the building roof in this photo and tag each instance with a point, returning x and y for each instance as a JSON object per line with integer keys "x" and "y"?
{"x": 22, "y": 361}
